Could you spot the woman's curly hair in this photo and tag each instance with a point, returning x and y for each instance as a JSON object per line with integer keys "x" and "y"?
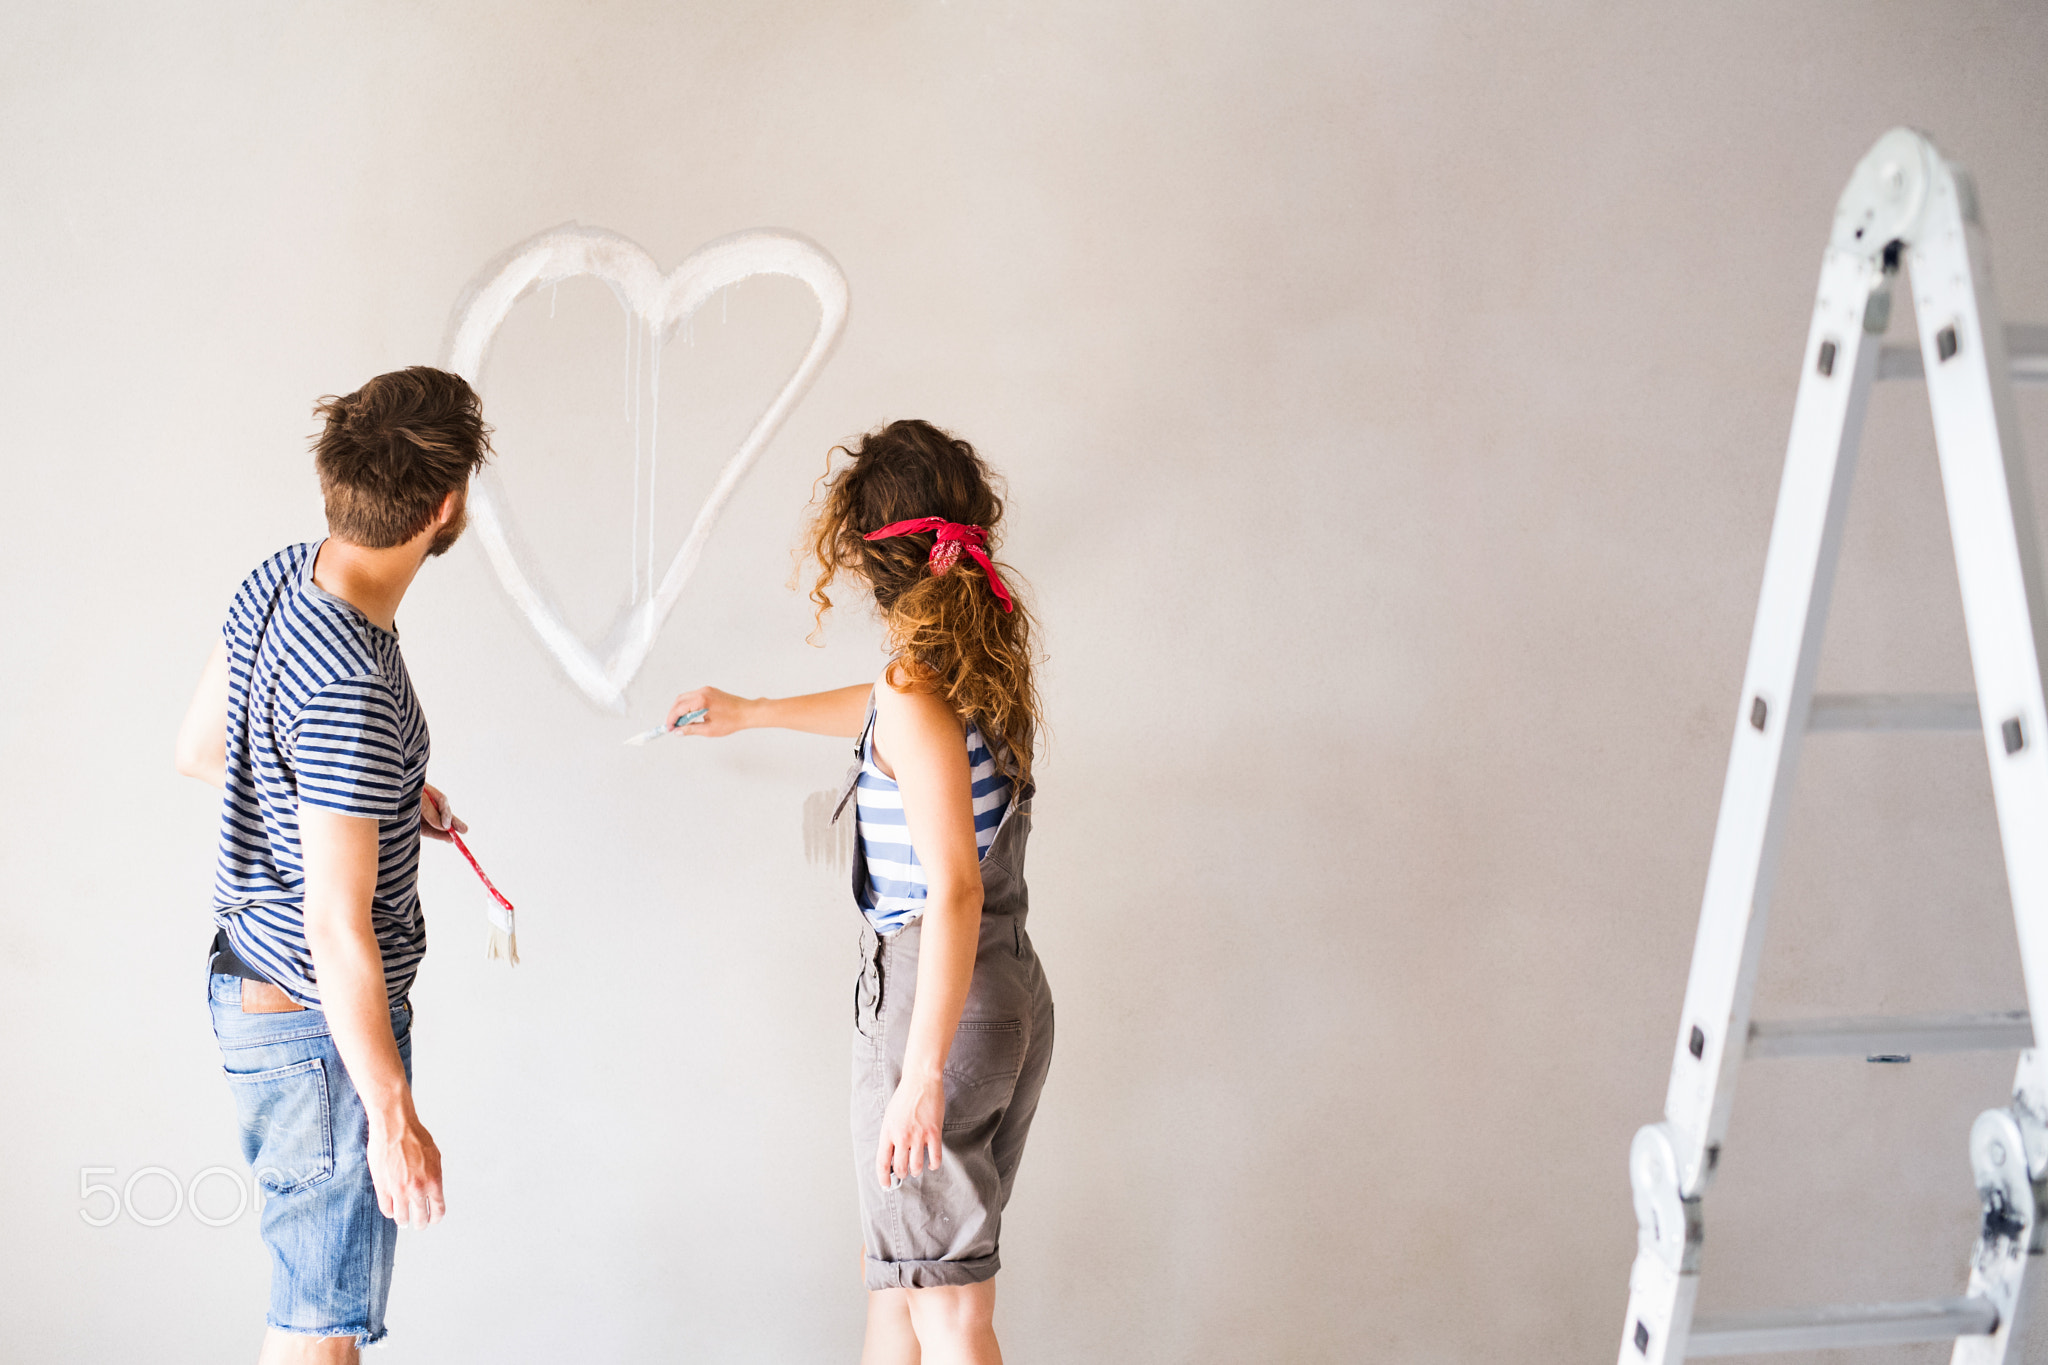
{"x": 950, "y": 633}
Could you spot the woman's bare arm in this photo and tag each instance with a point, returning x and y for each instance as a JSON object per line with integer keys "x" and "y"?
{"x": 839, "y": 712}
{"x": 926, "y": 752}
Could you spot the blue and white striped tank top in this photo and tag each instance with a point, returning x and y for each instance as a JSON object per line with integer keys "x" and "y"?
{"x": 894, "y": 893}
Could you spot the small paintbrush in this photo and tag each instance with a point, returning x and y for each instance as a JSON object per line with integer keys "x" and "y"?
{"x": 690, "y": 718}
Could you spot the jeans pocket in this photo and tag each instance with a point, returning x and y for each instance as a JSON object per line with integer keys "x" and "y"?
{"x": 287, "y": 1124}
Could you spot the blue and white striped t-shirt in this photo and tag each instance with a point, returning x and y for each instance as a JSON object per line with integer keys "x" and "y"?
{"x": 894, "y": 893}
{"x": 320, "y": 712}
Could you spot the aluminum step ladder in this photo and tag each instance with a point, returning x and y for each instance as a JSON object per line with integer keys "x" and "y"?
{"x": 1904, "y": 206}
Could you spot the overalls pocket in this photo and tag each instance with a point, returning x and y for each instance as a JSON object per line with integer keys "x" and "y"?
{"x": 868, "y": 987}
{"x": 982, "y": 1069}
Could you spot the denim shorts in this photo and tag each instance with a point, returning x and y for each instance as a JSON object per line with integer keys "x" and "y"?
{"x": 305, "y": 1136}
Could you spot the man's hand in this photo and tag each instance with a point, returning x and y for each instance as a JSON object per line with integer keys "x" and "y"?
{"x": 913, "y": 1130}
{"x": 436, "y": 817}
{"x": 405, "y": 1168}
{"x": 405, "y": 1165}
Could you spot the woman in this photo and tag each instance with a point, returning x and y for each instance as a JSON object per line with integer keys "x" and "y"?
{"x": 953, "y": 1020}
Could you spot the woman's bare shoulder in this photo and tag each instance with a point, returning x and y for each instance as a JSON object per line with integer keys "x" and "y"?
{"x": 913, "y": 710}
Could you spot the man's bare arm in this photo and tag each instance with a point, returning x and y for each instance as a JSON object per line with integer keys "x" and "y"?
{"x": 203, "y": 735}
{"x": 341, "y": 876}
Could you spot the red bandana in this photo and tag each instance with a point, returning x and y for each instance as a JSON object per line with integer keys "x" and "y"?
{"x": 951, "y": 539}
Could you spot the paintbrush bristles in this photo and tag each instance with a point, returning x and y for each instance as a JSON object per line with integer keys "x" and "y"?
{"x": 658, "y": 731}
{"x": 501, "y": 944}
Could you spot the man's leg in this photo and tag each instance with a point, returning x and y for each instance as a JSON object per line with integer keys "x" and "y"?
{"x": 304, "y": 1135}
{"x": 955, "y": 1324}
{"x": 890, "y": 1338}
{"x": 295, "y": 1348}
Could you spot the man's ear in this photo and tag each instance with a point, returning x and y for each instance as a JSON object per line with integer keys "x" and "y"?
{"x": 451, "y": 506}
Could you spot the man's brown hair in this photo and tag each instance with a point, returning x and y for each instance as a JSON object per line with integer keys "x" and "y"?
{"x": 390, "y": 452}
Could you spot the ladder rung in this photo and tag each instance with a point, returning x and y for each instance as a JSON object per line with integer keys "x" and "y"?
{"x": 2026, "y": 352}
{"x": 1904, "y": 1035}
{"x": 1849, "y": 1324}
{"x": 1894, "y": 711}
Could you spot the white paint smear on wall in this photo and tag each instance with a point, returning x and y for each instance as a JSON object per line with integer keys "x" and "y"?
{"x": 657, "y": 308}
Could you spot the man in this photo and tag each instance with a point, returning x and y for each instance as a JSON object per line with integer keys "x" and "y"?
{"x": 306, "y": 719}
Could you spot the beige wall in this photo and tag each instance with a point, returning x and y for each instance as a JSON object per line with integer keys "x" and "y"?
{"x": 1393, "y": 398}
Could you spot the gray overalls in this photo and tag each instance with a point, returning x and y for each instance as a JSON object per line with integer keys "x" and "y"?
{"x": 941, "y": 1227}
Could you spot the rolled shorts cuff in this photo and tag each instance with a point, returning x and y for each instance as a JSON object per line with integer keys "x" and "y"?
{"x": 931, "y": 1274}
{"x": 363, "y": 1335}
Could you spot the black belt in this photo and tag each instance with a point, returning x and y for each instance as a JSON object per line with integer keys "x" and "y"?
{"x": 225, "y": 963}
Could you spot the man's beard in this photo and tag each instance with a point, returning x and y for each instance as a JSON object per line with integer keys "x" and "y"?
{"x": 450, "y": 533}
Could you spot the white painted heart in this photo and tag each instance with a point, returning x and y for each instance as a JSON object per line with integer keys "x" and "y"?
{"x": 664, "y": 305}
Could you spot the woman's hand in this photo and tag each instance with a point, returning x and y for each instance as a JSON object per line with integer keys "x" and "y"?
{"x": 913, "y": 1131}
{"x": 723, "y": 712}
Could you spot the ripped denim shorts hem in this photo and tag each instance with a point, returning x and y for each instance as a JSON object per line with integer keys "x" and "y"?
{"x": 363, "y": 1335}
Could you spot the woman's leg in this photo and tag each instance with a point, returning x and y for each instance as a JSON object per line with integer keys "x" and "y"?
{"x": 955, "y": 1323}
{"x": 890, "y": 1340}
